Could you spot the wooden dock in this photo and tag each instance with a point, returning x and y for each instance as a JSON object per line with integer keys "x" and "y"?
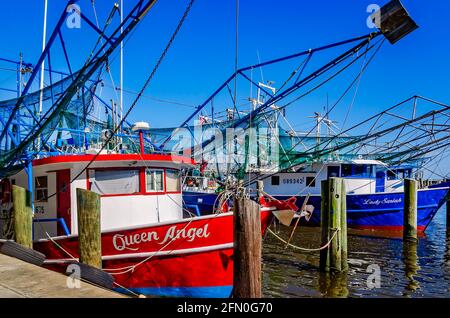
{"x": 19, "y": 279}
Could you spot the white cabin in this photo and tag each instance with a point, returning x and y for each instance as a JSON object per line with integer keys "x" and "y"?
{"x": 361, "y": 176}
{"x": 135, "y": 189}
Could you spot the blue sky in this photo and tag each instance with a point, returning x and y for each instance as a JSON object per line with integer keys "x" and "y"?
{"x": 203, "y": 54}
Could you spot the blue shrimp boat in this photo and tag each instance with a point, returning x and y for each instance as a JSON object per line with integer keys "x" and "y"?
{"x": 374, "y": 193}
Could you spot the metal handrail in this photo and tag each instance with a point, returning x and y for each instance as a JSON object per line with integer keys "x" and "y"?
{"x": 61, "y": 221}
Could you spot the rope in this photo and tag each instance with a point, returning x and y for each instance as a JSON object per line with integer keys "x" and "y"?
{"x": 84, "y": 280}
{"x": 302, "y": 248}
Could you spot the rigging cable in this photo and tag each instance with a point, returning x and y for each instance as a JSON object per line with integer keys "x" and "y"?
{"x": 144, "y": 87}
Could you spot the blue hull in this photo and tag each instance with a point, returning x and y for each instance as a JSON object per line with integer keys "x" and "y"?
{"x": 203, "y": 201}
{"x": 382, "y": 211}
{"x": 190, "y": 292}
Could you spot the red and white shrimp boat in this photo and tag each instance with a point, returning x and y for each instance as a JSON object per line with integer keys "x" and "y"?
{"x": 148, "y": 245}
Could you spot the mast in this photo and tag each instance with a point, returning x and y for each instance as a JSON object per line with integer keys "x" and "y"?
{"x": 121, "y": 65}
{"x": 44, "y": 36}
{"x": 41, "y": 80}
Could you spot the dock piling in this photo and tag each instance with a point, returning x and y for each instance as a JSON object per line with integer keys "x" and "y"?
{"x": 334, "y": 226}
{"x": 410, "y": 210}
{"x": 448, "y": 210}
{"x": 89, "y": 230}
{"x": 260, "y": 188}
{"x": 247, "y": 248}
{"x": 23, "y": 216}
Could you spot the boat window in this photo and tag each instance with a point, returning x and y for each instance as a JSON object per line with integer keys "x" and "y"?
{"x": 275, "y": 180}
{"x": 154, "y": 180}
{"x": 358, "y": 171}
{"x": 391, "y": 175}
{"x": 115, "y": 181}
{"x": 311, "y": 182}
{"x": 346, "y": 170}
{"x": 40, "y": 184}
{"x": 173, "y": 180}
{"x": 408, "y": 173}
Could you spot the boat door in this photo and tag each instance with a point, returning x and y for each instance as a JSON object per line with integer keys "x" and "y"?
{"x": 63, "y": 199}
{"x": 333, "y": 171}
{"x": 380, "y": 181}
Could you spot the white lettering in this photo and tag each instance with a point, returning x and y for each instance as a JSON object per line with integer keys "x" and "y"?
{"x": 128, "y": 242}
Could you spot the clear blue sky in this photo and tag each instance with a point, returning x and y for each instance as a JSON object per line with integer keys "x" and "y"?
{"x": 203, "y": 54}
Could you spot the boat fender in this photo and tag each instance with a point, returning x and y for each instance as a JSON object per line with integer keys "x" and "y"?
{"x": 93, "y": 275}
{"x": 23, "y": 253}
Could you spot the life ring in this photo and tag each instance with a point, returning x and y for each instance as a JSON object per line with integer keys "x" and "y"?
{"x": 5, "y": 191}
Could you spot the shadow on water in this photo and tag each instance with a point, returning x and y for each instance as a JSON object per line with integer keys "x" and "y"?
{"x": 378, "y": 266}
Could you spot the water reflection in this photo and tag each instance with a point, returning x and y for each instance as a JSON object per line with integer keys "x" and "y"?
{"x": 411, "y": 266}
{"x": 333, "y": 284}
{"x": 414, "y": 270}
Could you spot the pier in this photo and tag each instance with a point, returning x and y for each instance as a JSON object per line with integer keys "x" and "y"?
{"x": 19, "y": 279}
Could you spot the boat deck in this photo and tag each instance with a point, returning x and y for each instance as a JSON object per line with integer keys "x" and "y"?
{"x": 19, "y": 279}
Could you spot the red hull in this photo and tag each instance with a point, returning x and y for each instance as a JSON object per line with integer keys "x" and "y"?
{"x": 192, "y": 257}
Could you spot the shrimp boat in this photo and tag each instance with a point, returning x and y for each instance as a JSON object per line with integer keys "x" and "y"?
{"x": 65, "y": 137}
{"x": 147, "y": 245}
{"x": 374, "y": 193}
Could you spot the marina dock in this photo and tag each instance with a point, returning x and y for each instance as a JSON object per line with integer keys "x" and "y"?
{"x": 19, "y": 279}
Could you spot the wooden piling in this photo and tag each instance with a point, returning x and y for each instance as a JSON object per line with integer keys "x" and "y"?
{"x": 324, "y": 264}
{"x": 247, "y": 249}
{"x": 334, "y": 225}
{"x": 89, "y": 231}
{"x": 448, "y": 210}
{"x": 343, "y": 231}
{"x": 260, "y": 188}
{"x": 23, "y": 216}
{"x": 410, "y": 210}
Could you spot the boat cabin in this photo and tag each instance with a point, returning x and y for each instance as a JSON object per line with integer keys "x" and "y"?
{"x": 135, "y": 189}
{"x": 361, "y": 176}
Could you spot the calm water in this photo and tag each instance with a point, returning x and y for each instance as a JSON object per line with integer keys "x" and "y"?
{"x": 421, "y": 271}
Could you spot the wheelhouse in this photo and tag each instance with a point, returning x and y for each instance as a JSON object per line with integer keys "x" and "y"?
{"x": 135, "y": 189}
{"x": 362, "y": 176}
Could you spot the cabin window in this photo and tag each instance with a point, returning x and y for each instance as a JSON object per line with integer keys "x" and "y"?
{"x": 311, "y": 182}
{"x": 154, "y": 180}
{"x": 41, "y": 188}
{"x": 408, "y": 173}
{"x": 346, "y": 170}
{"x": 358, "y": 171}
{"x": 115, "y": 181}
{"x": 276, "y": 180}
{"x": 173, "y": 180}
{"x": 391, "y": 175}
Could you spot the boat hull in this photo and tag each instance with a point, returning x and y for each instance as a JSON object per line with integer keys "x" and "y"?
{"x": 379, "y": 211}
{"x": 188, "y": 258}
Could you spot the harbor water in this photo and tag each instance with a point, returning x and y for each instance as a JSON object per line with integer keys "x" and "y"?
{"x": 378, "y": 266}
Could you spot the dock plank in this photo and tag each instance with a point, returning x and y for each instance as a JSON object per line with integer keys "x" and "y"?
{"x": 19, "y": 279}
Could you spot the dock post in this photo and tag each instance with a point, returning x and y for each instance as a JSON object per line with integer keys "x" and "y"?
{"x": 324, "y": 264}
{"x": 410, "y": 210}
{"x": 23, "y": 216}
{"x": 333, "y": 218}
{"x": 259, "y": 188}
{"x": 343, "y": 232}
{"x": 247, "y": 248}
{"x": 448, "y": 210}
{"x": 89, "y": 231}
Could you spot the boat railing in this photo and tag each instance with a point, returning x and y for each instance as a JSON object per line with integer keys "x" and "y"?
{"x": 199, "y": 184}
{"x": 61, "y": 222}
{"x": 425, "y": 183}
